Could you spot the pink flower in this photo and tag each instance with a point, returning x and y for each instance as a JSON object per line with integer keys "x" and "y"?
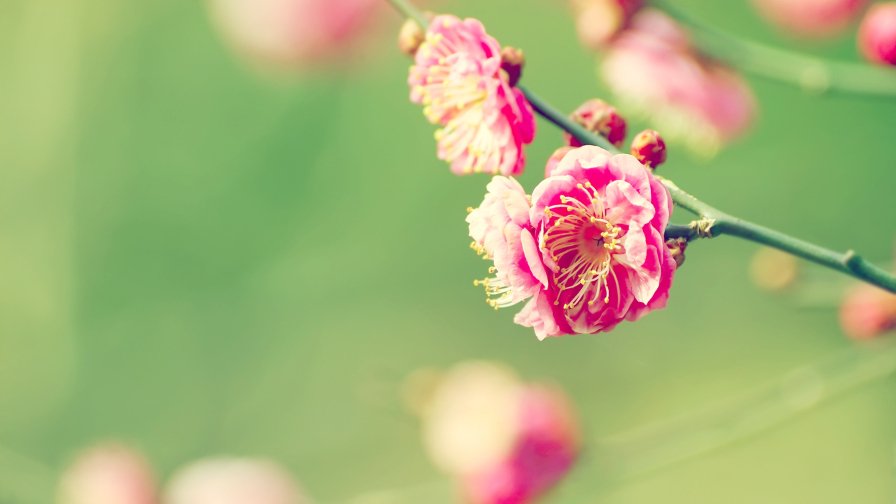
{"x": 877, "y": 34}
{"x": 291, "y": 32}
{"x": 810, "y": 18}
{"x": 108, "y": 474}
{"x": 506, "y": 441}
{"x": 457, "y": 77}
{"x": 867, "y": 312}
{"x": 592, "y": 252}
{"x": 654, "y": 70}
{"x": 233, "y": 481}
{"x": 600, "y": 221}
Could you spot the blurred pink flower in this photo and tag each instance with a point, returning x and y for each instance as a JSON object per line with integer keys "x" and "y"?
{"x": 654, "y": 70}
{"x": 506, "y": 441}
{"x": 810, "y": 18}
{"x": 290, "y": 32}
{"x": 598, "y": 21}
{"x": 233, "y": 481}
{"x": 108, "y": 474}
{"x": 457, "y": 77}
{"x": 877, "y": 34}
{"x": 600, "y": 219}
{"x": 867, "y": 311}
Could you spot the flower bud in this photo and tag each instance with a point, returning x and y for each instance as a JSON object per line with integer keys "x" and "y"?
{"x": 676, "y": 248}
{"x": 598, "y": 21}
{"x": 867, "y": 312}
{"x": 109, "y": 474}
{"x": 649, "y": 148}
{"x": 598, "y": 117}
{"x": 512, "y": 61}
{"x": 877, "y": 34}
{"x": 410, "y": 37}
{"x": 555, "y": 158}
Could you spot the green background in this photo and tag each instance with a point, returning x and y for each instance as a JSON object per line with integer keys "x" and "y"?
{"x": 199, "y": 261}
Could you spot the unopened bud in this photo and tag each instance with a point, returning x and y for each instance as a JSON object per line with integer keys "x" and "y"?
{"x": 410, "y": 37}
{"x": 599, "y": 117}
{"x": 868, "y": 312}
{"x": 649, "y": 148}
{"x": 877, "y": 34}
{"x": 512, "y": 61}
{"x": 554, "y": 160}
{"x": 676, "y": 248}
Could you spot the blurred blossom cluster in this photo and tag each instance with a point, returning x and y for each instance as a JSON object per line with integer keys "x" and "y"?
{"x": 655, "y": 71}
{"x": 294, "y": 33}
{"x": 504, "y": 440}
{"x": 116, "y": 474}
{"x": 810, "y": 18}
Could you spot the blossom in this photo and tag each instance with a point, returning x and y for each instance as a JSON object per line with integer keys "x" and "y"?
{"x": 810, "y": 18}
{"x": 877, "y": 34}
{"x": 108, "y": 474}
{"x": 600, "y": 219}
{"x": 292, "y": 32}
{"x": 504, "y": 440}
{"x": 592, "y": 252}
{"x": 654, "y": 70}
{"x": 867, "y": 312}
{"x": 233, "y": 481}
{"x": 457, "y": 77}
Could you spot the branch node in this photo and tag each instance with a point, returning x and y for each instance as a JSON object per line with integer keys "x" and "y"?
{"x": 703, "y": 227}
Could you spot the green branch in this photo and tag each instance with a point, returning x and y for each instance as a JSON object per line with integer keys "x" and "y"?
{"x": 711, "y": 222}
{"x": 807, "y": 72}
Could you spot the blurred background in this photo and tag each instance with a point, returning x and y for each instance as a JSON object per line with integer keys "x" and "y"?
{"x": 201, "y": 257}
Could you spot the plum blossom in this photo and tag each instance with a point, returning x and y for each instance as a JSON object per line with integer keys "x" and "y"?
{"x": 504, "y": 440}
{"x": 592, "y": 252}
{"x": 877, "y": 34}
{"x": 457, "y": 77}
{"x": 108, "y": 474}
{"x": 293, "y": 32}
{"x": 653, "y": 70}
{"x": 810, "y": 18}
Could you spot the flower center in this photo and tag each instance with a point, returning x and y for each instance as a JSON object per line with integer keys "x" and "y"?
{"x": 582, "y": 242}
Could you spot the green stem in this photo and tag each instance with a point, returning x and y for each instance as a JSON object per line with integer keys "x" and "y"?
{"x": 561, "y": 121}
{"x": 806, "y": 72}
{"x": 711, "y": 221}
